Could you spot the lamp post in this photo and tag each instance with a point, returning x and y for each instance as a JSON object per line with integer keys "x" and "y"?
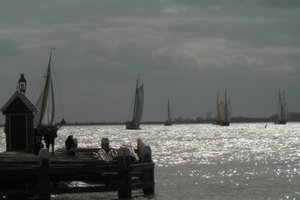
{"x": 22, "y": 84}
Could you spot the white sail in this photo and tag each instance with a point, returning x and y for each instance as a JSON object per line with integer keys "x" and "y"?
{"x": 286, "y": 111}
{"x": 221, "y": 109}
{"x": 282, "y": 113}
{"x": 168, "y": 122}
{"x": 137, "y": 108}
{"x": 46, "y": 104}
{"x": 138, "y": 105}
{"x": 217, "y": 111}
{"x": 229, "y": 110}
{"x": 169, "y": 112}
{"x": 279, "y": 107}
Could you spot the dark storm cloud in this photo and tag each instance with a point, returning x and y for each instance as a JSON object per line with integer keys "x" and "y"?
{"x": 188, "y": 50}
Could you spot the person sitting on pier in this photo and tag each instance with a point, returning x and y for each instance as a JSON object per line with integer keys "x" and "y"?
{"x": 71, "y": 144}
{"x": 49, "y": 137}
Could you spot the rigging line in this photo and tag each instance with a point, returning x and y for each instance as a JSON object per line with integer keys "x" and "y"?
{"x": 59, "y": 92}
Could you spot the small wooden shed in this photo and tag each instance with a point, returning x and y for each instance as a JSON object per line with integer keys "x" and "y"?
{"x": 19, "y": 114}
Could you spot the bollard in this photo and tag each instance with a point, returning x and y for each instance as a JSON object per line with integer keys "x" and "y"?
{"x": 147, "y": 154}
{"x": 44, "y": 178}
{"x": 105, "y": 144}
{"x": 125, "y": 179}
{"x": 140, "y": 145}
{"x": 148, "y": 175}
{"x": 123, "y": 156}
{"x": 139, "y": 141}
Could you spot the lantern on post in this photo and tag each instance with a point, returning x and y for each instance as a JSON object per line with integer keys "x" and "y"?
{"x": 22, "y": 84}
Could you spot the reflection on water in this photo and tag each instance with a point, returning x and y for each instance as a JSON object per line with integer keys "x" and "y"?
{"x": 204, "y": 161}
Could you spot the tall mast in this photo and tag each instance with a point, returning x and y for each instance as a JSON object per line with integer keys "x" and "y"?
{"x": 217, "y": 108}
{"x": 280, "y": 112}
{"x": 169, "y": 110}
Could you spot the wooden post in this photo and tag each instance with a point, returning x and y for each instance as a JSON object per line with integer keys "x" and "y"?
{"x": 44, "y": 179}
{"x": 149, "y": 173}
{"x": 125, "y": 179}
{"x": 105, "y": 144}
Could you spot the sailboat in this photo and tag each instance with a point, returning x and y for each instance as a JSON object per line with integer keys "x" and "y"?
{"x": 217, "y": 117}
{"x": 137, "y": 108}
{"x": 169, "y": 120}
{"x": 225, "y": 111}
{"x": 45, "y": 115}
{"x": 282, "y": 112}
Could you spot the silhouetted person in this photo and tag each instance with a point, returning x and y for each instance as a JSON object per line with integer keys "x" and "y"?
{"x": 71, "y": 144}
{"x": 49, "y": 138}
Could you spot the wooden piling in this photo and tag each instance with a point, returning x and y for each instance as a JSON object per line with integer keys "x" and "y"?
{"x": 125, "y": 179}
{"x": 148, "y": 175}
{"x": 44, "y": 179}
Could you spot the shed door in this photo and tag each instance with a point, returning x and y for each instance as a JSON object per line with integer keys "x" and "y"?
{"x": 18, "y": 132}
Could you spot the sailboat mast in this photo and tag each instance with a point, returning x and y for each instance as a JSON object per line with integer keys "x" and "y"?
{"x": 280, "y": 112}
{"x": 217, "y": 108}
{"x": 169, "y": 111}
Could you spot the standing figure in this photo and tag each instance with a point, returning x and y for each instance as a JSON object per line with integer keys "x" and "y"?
{"x": 49, "y": 138}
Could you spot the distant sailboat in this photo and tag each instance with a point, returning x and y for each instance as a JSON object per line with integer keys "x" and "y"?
{"x": 138, "y": 107}
{"x": 282, "y": 112}
{"x": 169, "y": 120}
{"x": 225, "y": 111}
{"x": 45, "y": 115}
{"x": 217, "y": 118}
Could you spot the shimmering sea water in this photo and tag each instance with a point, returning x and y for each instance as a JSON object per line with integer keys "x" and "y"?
{"x": 204, "y": 161}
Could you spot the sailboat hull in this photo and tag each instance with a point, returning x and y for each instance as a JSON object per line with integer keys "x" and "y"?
{"x": 132, "y": 126}
{"x": 282, "y": 122}
{"x": 224, "y": 123}
{"x": 168, "y": 123}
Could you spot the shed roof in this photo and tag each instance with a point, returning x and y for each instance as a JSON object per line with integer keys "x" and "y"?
{"x": 23, "y": 98}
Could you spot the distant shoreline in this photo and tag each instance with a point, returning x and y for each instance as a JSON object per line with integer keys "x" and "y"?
{"x": 234, "y": 120}
{"x": 294, "y": 117}
{"x": 157, "y": 123}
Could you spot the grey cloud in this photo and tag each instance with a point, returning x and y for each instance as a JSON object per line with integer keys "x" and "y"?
{"x": 187, "y": 50}
{"x": 280, "y": 4}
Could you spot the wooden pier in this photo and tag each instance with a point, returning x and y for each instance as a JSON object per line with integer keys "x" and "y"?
{"x": 91, "y": 170}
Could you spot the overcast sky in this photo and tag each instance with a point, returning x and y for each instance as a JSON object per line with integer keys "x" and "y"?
{"x": 187, "y": 50}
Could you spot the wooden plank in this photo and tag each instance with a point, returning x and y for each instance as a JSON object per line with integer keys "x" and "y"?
{"x": 142, "y": 166}
{"x": 83, "y": 189}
